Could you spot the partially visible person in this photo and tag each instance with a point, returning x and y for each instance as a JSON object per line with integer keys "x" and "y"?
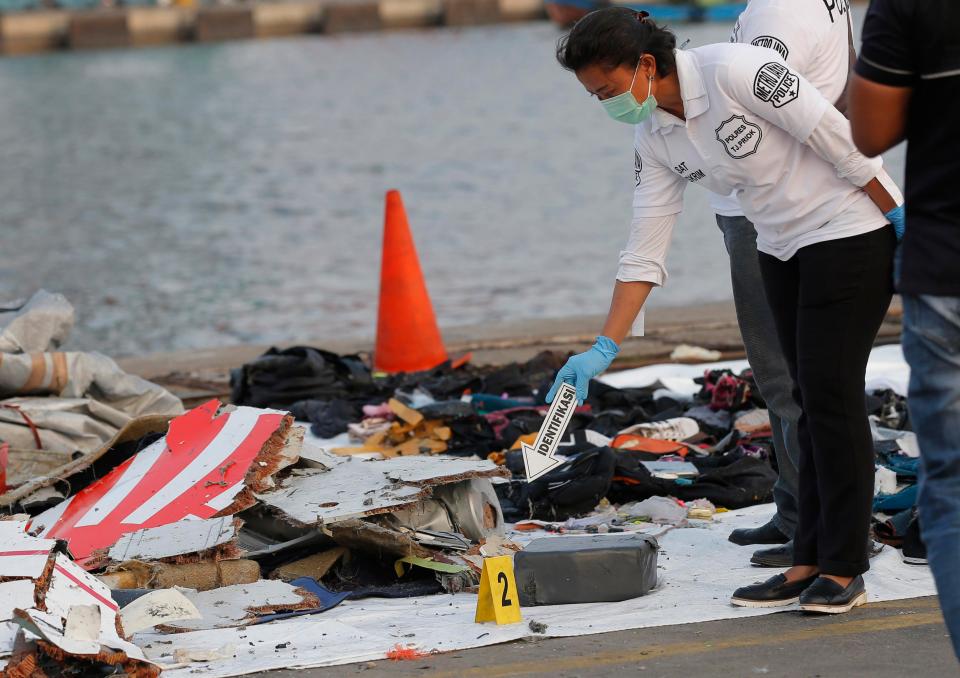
{"x": 907, "y": 86}
{"x": 816, "y": 40}
{"x": 736, "y": 118}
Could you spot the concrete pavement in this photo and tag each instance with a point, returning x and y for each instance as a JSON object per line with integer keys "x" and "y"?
{"x": 882, "y": 640}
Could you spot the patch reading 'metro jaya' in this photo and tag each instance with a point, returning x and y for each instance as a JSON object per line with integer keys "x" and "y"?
{"x": 776, "y": 84}
{"x": 773, "y": 43}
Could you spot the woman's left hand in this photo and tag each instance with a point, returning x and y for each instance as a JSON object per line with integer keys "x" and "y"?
{"x": 896, "y": 217}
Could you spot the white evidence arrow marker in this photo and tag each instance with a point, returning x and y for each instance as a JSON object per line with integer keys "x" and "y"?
{"x": 538, "y": 459}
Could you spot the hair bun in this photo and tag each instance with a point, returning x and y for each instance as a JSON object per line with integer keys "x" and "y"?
{"x": 616, "y": 36}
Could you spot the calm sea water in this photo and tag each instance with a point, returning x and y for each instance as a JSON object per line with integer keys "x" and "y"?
{"x": 209, "y": 195}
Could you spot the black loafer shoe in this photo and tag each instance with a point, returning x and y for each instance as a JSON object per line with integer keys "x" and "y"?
{"x": 775, "y": 592}
{"x": 828, "y": 597}
{"x": 765, "y": 534}
{"x": 778, "y": 556}
{"x": 782, "y": 556}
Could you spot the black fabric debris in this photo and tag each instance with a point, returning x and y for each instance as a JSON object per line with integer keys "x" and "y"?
{"x": 715, "y": 422}
{"x": 280, "y": 378}
{"x": 329, "y": 418}
{"x": 574, "y": 488}
{"x": 733, "y": 481}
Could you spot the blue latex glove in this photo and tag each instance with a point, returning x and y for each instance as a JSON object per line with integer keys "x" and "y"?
{"x": 896, "y": 217}
{"x": 583, "y": 367}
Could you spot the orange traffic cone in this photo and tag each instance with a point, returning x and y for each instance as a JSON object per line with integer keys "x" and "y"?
{"x": 408, "y": 339}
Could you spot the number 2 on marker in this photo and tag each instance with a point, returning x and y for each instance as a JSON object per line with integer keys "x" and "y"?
{"x": 504, "y": 600}
{"x": 497, "y": 600}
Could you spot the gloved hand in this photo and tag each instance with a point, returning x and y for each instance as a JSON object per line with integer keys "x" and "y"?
{"x": 583, "y": 367}
{"x": 896, "y": 217}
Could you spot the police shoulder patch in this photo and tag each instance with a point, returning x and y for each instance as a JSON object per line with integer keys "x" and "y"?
{"x": 773, "y": 43}
{"x": 776, "y": 84}
{"x": 637, "y": 166}
{"x": 739, "y": 136}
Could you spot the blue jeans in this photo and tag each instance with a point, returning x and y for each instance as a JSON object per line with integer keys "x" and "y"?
{"x": 766, "y": 359}
{"x": 931, "y": 344}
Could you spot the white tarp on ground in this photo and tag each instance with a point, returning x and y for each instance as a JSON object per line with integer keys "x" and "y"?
{"x": 64, "y": 401}
{"x": 886, "y": 369}
{"x": 699, "y": 571}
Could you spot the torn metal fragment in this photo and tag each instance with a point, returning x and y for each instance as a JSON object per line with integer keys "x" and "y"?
{"x": 341, "y": 490}
{"x": 206, "y": 466}
{"x": 235, "y": 605}
{"x": 369, "y": 537}
{"x": 175, "y": 539}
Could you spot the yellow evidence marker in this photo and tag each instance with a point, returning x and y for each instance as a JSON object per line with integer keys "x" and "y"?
{"x": 498, "y": 599}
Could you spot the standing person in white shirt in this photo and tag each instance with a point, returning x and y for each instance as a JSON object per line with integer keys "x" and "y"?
{"x": 814, "y": 37}
{"x": 735, "y": 117}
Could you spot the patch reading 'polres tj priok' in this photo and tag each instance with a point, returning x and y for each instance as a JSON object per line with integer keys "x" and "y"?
{"x": 776, "y": 84}
{"x": 739, "y": 136}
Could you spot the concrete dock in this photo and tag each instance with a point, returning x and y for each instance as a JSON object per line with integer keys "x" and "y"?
{"x": 45, "y": 30}
{"x": 205, "y": 372}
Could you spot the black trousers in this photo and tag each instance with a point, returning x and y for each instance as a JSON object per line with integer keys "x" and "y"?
{"x": 828, "y": 301}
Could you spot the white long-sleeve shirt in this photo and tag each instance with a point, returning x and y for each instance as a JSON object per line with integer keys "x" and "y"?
{"x": 812, "y": 36}
{"x": 755, "y": 127}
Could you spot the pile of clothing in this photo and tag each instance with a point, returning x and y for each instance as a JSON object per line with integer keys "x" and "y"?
{"x": 623, "y": 445}
{"x": 895, "y": 519}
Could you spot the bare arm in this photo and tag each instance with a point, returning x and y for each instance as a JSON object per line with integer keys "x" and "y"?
{"x": 878, "y": 115}
{"x": 628, "y": 299}
{"x": 880, "y": 196}
{"x": 841, "y": 103}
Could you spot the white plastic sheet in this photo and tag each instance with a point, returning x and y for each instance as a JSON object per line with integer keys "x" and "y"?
{"x": 39, "y": 324}
{"x": 885, "y": 369}
{"x": 85, "y": 397}
{"x": 700, "y": 571}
